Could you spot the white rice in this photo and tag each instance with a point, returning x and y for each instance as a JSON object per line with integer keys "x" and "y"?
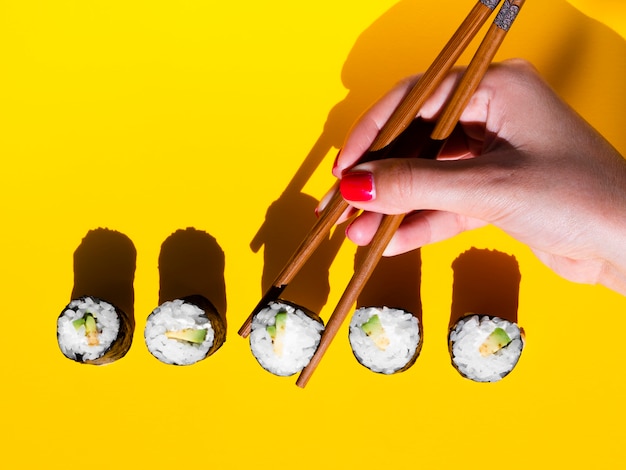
{"x": 73, "y": 341}
{"x": 402, "y": 330}
{"x": 299, "y": 343}
{"x": 466, "y": 338}
{"x": 177, "y": 315}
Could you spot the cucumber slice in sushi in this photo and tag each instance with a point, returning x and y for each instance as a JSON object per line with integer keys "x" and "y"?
{"x": 189, "y": 335}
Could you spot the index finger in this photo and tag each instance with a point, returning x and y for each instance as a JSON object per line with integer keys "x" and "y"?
{"x": 368, "y": 125}
{"x": 364, "y": 132}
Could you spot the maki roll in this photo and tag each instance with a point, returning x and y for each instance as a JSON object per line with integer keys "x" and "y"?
{"x": 485, "y": 348}
{"x": 284, "y": 337}
{"x": 93, "y": 331}
{"x": 184, "y": 331}
{"x": 385, "y": 340}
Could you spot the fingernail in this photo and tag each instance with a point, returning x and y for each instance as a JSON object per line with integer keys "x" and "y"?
{"x": 324, "y": 201}
{"x": 336, "y": 159}
{"x": 357, "y": 186}
{"x": 336, "y": 162}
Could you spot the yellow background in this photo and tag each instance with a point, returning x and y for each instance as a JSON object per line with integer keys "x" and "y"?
{"x": 150, "y": 117}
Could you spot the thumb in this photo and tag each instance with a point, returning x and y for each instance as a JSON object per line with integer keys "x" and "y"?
{"x": 475, "y": 187}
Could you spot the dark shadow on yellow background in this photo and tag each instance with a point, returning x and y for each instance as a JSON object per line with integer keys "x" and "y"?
{"x": 395, "y": 283}
{"x": 287, "y": 222}
{"x": 191, "y": 262}
{"x": 485, "y": 282}
{"x": 578, "y": 56}
{"x": 104, "y": 267}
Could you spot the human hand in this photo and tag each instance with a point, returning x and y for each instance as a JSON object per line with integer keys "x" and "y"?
{"x": 532, "y": 167}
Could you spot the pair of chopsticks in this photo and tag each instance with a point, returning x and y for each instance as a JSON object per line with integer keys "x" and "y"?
{"x": 443, "y": 129}
{"x": 404, "y": 114}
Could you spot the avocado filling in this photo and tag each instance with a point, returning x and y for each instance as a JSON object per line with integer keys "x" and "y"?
{"x": 375, "y": 331}
{"x": 494, "y": 342}
{"x": 277, "y": 332}
{"x": 91, "y": 330}
{"x": 189, "y": 335}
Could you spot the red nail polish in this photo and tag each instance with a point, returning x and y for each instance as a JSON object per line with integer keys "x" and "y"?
{"x": 357, "y": 186}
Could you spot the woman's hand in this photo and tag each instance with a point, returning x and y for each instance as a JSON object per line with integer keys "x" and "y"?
{"x": 532, "y": 167}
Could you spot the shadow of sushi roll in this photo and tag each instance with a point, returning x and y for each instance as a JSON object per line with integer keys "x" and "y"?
{"x": 93, "y": 331}
{"x": 284, "y": 337}
{"x": 184, "y": 331}
{"x": 385, "y": 340}
{"x": 485, "y": 348}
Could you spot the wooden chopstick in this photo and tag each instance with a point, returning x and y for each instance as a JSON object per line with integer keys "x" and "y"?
{"x": 434, "y": 75}
{"x": 390, "y": 223}
{"x": 395, "y": 125}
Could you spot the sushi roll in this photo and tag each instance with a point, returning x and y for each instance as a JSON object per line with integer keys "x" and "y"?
{"x": 93, "y": 331}
{"x": 485, "y": 348}
{"x": 184, "y": 331}
{"x": 284, "y": 337}
{"x": 385, "y": 340}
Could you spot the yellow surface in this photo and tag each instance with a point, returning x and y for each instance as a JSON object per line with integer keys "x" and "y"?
{"x": 150, "y": 117}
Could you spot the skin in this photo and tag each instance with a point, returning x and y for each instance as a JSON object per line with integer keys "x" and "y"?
{"x": 530, "y": 166}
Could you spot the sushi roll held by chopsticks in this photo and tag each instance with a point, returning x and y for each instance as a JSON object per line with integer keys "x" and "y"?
{"x": 485, "y": 348}
{"x": 184, "y": 331}
{"x": 93, "y": 331}
{"x": 385, "y": 340}
{"x": 284, "y": 337}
